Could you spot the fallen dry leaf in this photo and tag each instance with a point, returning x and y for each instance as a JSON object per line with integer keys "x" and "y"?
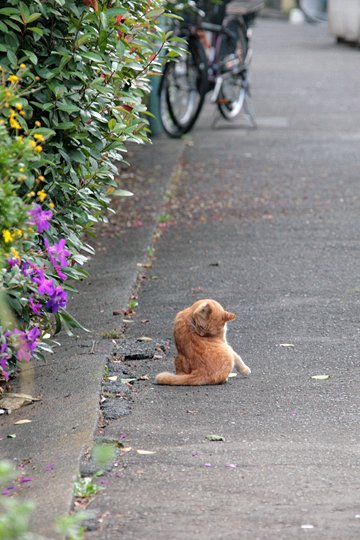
{"x": 145, "y": 452}
{"x": 286, "y": 345}
{"x": 113, "y": 378}
{"x": 128, "y": 381}
{"x": 320, "y": 377}
{"x": 144, "y": 338}
{"x": 232, "y": 375}
{"x": 25, "y": 421}
{"x": 12, "y": 402}
{"x": 213, "y": 437}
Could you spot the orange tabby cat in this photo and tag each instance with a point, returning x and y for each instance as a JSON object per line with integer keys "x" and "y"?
{"x": 204, "y": 356}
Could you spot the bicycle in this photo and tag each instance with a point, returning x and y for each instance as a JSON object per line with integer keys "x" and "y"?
{"x": 216, "y": 58}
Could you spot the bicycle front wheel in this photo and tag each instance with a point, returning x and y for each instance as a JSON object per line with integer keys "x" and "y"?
{"x": 182, "y": 90}
{"x": 233, "y": 51}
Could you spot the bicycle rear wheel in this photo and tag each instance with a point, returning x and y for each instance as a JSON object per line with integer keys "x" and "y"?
{"x": 182, "y": 90}
{"x": 234, "y": 87}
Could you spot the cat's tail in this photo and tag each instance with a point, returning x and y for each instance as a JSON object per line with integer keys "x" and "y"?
{"x": 184, "y": 379}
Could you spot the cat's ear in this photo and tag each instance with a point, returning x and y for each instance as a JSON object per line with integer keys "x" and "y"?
{"x": 229, "y": 316}
{"x": 204, "y": 309}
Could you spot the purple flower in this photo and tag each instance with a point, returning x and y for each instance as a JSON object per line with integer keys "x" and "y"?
{"x": 25, "y": 479}
{"x": 57, "y": 300}
{"x": 61, "y": 274}
{"x": 7, "y": 490}
{"x": 40, "y": 218}
{"x": 12, "y": 262}
{"x": 34, "y": 306}
{"x": 30, "y": 269}
{"x": 24, "y": 267}
{"x": 27, "y": 342}
{"x": 4, "y": 357}
{"x": 57, "y": 253}
{"x": 45, "y": 286}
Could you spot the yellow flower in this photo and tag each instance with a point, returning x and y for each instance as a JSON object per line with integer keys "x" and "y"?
{"x": 41, "y": 178}
{"x": 14, "y": 123}
{"x": 32, "y": 144}
{"x": 13, "y": 79}
{"x": 22, "y": 66}
{"x": 38, "y": 148}
{"x": 37, "y": 123}
{"x": 18, "y": 106}
{"x": 15, "y": 254}
{"x": 23, "y": 113}
{"x": 8, "y": 237}
{"x": 42, "y": 195}
{"x": 51, "y": 205}
{"x": 21, "y": 169}
{"x": 18, "y": 233}
{"x": 31, "y": 194}
{"x": 20, "y": 138}
{"x": 38, "y": 137}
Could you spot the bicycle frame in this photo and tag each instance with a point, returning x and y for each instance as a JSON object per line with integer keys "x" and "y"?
{"x": 216, "y": 72}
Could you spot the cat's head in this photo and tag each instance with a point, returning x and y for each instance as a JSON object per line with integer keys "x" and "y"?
{"x": 209, "y": 317}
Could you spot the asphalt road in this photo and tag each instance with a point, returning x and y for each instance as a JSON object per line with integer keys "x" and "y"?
{"x": 267, "y": 222}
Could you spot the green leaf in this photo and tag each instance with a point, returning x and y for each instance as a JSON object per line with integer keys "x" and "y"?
{"x": 122, "y": 193}
{"x": 13, "y": 25}
{"x": 120, "y": 48}
{"x": 154, "y": 13}
{"x": 112, "y": 123}
{"x": 95, "y": 57}
{"x": 12, "y": 58}
{"x": 31, "y": 56}
{"x": 78, "y": 156}
{"x": 33, "y": 17}
{"x": 68, "y": 107}
{"x": 36, "y": 30}
{"x": 65, "y": 125}
{"x": 9, "y": 11}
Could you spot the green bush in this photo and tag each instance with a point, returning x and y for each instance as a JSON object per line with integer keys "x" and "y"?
{"x": 74, "y": 75}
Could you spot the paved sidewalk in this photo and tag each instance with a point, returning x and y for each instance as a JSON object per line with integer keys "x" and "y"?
{"x": 267, "y": 222}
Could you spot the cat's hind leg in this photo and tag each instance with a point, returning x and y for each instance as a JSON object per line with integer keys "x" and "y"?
{"x": 240, "y": 365}
{"x": 180, "y": 364}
